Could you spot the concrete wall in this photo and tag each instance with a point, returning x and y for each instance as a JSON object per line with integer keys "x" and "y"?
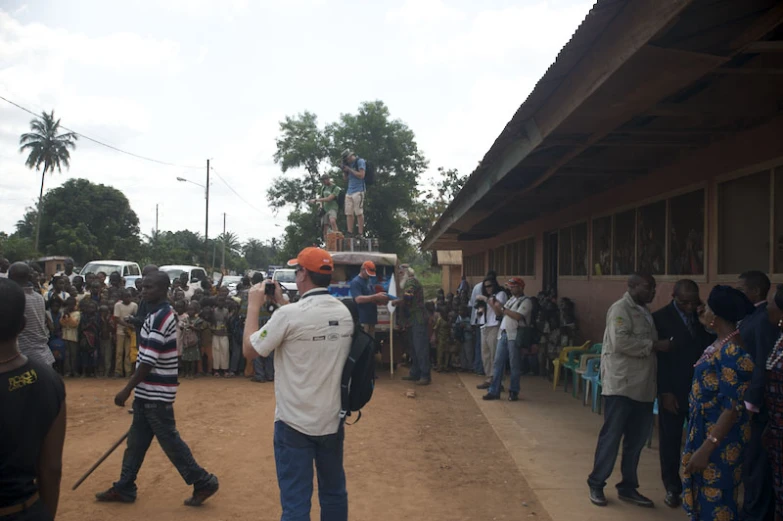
{"x": 741, "y": 154}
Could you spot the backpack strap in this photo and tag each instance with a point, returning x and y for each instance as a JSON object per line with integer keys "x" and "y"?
{"x": 345, "y": 382}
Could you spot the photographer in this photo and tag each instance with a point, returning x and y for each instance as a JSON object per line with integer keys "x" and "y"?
{"x": 492, "y": 296}
{"x": 353, "y": 171}
{"x": 274, "y": 297}
{"x": 329, "y": 206}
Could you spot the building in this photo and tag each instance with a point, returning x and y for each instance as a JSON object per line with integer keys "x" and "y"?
{"x": 51, "y": 265}
{"x": 652, "y": 143}
{"x": 450, "y": 262}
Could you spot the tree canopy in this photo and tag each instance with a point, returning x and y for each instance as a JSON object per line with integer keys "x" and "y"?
{"x": 388, "y": 143}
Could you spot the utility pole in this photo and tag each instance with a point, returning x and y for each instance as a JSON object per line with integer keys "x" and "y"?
{"x": 223, "y": 262}
{"x": 206, "y": 220}
{"x": 156, "y": 219}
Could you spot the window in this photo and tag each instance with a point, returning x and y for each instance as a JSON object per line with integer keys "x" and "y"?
{"x": 519, "y": 257}
{"x": 573, "y": 250}
{"x": 565, "y": 266}
{"x": 651, "y": 238}
{"x": 623, "y": 243}
{"x": 530, "y": 256}
{"x": 474, "y": 265}
{"x": 499, "y": 256}
{"x": 744, "y": 224}
{"x": 602, "y": 246}
{"x": 686, "y": 234}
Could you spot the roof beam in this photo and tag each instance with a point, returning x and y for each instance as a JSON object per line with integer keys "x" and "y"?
{"x": 762, "y": 47}
{"x": 747, "y": 70}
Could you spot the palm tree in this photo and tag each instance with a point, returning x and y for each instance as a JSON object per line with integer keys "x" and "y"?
{"x": 46, "y": 146}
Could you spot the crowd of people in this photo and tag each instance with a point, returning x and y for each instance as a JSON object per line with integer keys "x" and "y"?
{"x": 715, "y": 367}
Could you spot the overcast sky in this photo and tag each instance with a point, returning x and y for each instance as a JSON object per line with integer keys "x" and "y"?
{"x": 186, "y": 80}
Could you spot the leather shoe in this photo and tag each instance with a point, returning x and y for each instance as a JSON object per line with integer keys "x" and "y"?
{"x": 633, "y": 496}
{"x": 409, "y": 378}
{"x": 673, "y": 499}
{"x": 485, "y": 385}
{"x": 490, "y": 396}
{"x": 597, "y": 497}
{"x": 513, "y": 397}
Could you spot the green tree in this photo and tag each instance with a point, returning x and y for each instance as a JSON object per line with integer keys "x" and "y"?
{"x": 260, "y": 255}
{"x": 46, "y": 146}
{"x": 433, "y": 201}
{"x": 86, "y": 221}
{"x": 389, "y": 144}
{"x": 15, "y": 248}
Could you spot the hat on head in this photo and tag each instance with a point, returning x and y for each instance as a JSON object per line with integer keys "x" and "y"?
{"x": 315, "y": 260}
{"x": 516, "y": 281}
{"x": 347, "y": 153}
{"x": 325, "y": 176}
{"x": 729, "y": 303}
{"x": 370, "y": 267}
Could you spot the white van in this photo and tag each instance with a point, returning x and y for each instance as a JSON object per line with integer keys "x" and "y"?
{"x": 130, "y": 271}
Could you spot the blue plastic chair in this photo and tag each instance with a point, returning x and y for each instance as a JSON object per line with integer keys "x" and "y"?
{"x": 655, "y": 415}
{"x": 573, "y": 363}
{"x": 592, "y": 378}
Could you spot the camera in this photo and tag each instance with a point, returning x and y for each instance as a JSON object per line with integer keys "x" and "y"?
{"x": 269, "y": 288}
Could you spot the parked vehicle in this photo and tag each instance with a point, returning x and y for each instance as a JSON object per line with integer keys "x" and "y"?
{"x": 286, "y": 277}
{"x": 230, "y": 282}
{"x": 130, "y": 271}
{"x": 195, "y": 273}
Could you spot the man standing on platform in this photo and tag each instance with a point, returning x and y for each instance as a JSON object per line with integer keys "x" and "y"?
{"x": 680, "y": 322}
{"x": 628, "y": 373}
{"x": 329, "y": 205}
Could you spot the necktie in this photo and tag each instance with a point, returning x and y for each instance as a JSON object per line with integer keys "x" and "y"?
{"x": 689, "y": 325}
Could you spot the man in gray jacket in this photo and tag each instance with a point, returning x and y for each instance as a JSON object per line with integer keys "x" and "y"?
{"x": 628, "y": 377}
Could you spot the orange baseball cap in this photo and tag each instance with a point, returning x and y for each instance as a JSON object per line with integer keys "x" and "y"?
{"x": 370, "y": 267}
{"x": 315, "y": 260}
{"x": 516, "y": 281}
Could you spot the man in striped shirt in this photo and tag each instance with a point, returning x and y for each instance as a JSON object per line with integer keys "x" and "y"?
{"x": 34, "y": 338}
{"x": 155, "y": 383}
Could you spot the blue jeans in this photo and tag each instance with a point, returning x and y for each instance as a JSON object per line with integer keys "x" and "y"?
{"x": 627, "y": 420}
{"x": 156, "y": 420}
{"x": 478, "y": 365}
{"x": 420, "y": 351}
{"x": 294, "y": 456}
{"x": 506, "y": 352}
{"x": 264, "y": 367}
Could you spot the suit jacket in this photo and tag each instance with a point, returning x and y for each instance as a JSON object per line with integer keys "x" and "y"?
{"x": 675, "y": 368}
{"x": 759, "y": 336}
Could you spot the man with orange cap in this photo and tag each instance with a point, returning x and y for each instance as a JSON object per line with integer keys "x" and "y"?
{"x": 367, "y": 301}
{"x": 311, "y": 340}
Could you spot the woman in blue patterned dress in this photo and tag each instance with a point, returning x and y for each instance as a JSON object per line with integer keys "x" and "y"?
{"x": 719, "y": 427}
{"x": 773, "y": 435}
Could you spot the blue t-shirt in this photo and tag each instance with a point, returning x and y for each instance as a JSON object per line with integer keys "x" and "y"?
{"x": 355, "y": 184}
{"x": 368, "y": 313}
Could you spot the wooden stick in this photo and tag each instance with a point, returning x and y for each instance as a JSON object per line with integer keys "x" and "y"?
{"x": 101, "y": 460}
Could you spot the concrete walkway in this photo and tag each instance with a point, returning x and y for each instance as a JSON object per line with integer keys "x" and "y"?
{"x": 551, "y": 438}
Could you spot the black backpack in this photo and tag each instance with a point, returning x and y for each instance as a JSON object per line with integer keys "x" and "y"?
{"x": 341, "y": 199}
{"x": 358, "y": 381}
{"x": 369, "y": 173}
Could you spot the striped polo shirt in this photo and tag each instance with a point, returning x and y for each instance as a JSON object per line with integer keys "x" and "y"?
{"x": 158, "y": 348}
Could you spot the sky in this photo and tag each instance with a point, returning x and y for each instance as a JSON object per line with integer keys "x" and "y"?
{"x": 183, "y": 81}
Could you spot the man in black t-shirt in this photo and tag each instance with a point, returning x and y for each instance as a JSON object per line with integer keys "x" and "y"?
{"x": 30, "y": 450}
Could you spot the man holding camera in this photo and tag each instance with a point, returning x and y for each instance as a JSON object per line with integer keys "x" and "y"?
{"x": 274, "y": 297}
{"x": 367, "y": 300}
{"x": 353, "y": 171}
{"x": 329, "y": 206}
{"x": 312, "y": 339}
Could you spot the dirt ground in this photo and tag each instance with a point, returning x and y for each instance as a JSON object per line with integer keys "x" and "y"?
{"x": 434, "y": 457}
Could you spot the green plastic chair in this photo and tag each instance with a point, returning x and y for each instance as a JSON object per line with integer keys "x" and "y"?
{"x": 558, "y": 362}
{"x": 574, "y": 363}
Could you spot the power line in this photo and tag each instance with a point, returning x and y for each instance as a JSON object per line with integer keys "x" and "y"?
{"x": 236, "y": 193}
{"x": 112, "y": 147}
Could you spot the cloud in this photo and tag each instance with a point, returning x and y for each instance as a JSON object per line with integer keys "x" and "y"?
{"x": 425, "y": 12}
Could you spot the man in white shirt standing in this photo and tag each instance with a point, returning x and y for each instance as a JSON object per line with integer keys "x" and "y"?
{"x": 516, "y": 313}
{"x": 311, "y": 340}
{"x": 491, "y": 293}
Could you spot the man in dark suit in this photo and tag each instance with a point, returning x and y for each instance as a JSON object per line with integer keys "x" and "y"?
{"x": 759, "y": 336}
{"x": 677, "y": 321}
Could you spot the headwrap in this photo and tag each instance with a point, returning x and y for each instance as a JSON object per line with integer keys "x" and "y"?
{"x": 729, "y": 303}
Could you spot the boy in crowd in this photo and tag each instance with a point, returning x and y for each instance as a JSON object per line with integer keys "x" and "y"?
{"x": 123, "y": 310}
{"x": 70, "y": 328}
{"x": 220, "y": 352}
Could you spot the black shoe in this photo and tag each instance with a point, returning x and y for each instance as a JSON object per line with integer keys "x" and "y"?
{"x": 597, "y": 497}
{"x": 513, "y": 397}
{"x": 202, "y": 494}
{"x": 424, "y": 381}
{"x": 113, "y": 496}
{"x": 490, "y": 396}
{"x": 485, "y": 385}
{"x": 673, "y": 499}
{"x": 632, "y": 496}
{"x": 409, "y": 378}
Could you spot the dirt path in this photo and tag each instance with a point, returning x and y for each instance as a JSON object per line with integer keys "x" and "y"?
{"x": 433, "y": 458}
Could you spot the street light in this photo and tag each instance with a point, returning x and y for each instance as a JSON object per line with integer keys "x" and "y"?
{"x": 206, "y": 211}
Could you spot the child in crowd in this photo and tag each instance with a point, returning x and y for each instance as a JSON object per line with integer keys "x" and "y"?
{"x": 442, "y": 332}
{"x": 56, "y": 344}
{"x": 70, "y": 331}
{"x": 181, "y": 309}
{"x": 125, "y": 333}
{"x": 190, "y": 339}
{"x": 220, "y": 352}
{"x": 233, "y": 327}
{"x": 463, "y": 334}
{"x": 107, "y": 345}
{"x": 203, "y": 325}
{"x": 89, "y": 338}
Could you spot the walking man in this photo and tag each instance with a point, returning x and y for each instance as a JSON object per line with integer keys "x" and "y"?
{"x": 367, "y": 301}
{"x": 311, "y": 339}
{"x": 678, "y": 321}
{"x": 628, "y": 374}
{"x": 759, "y": 337}
{"x": 353, "y": 171}
{"x": 155, "y": 386}
{"x": 413, "y": 321}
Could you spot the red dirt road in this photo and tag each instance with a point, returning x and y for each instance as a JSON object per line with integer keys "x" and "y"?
{"x": 433, "y": 458}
